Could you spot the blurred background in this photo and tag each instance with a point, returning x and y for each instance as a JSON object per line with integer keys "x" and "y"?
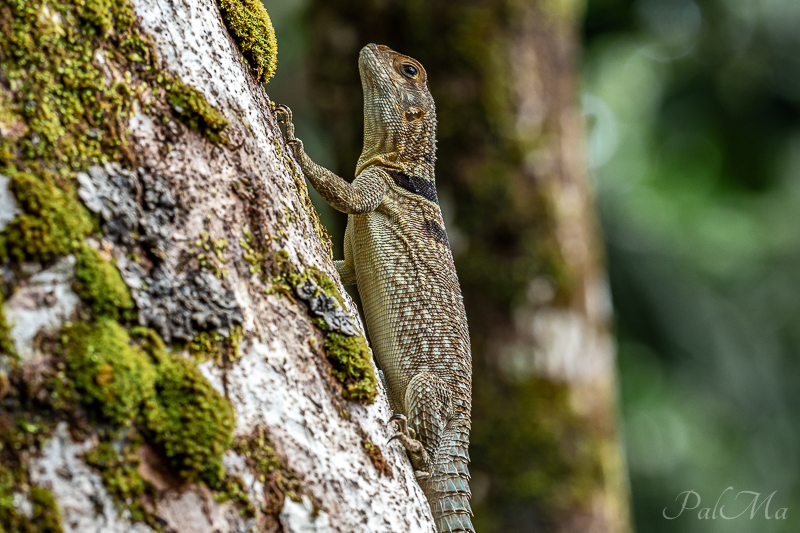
{"x": 691, "y": 138}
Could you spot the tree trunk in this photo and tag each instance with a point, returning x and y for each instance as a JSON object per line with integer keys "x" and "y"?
{"x": 513, "y": 186}
{"x": 176, "y": 350}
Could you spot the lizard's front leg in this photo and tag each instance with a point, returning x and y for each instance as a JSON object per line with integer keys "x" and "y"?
{"x": 364, "y": 195}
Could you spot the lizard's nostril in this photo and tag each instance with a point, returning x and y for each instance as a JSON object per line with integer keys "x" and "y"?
{"x": 383, "y": 48}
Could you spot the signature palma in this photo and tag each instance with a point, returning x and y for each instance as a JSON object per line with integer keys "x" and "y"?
{"x": 706, "y": 513}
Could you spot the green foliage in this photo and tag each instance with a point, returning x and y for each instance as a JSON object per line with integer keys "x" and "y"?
{"x": 251, "y": 28}
{"x": 195, "y": 111}
{"x": 53, "y": 222}
{"x": 100, "y": 284}
{"x": 113, "y": 376}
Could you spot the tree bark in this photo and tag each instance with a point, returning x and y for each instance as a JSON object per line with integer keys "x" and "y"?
{"x": 212, "y": 231}
{"x": 519, "y": 210}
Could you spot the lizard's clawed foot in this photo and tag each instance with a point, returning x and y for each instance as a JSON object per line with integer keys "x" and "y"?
{"x": 284, "y": 114}
{"x": 402, "y": 423}
{"x": 416, "y": 452}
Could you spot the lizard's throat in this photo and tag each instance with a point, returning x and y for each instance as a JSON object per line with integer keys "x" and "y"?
{"x": 413, "y": 152}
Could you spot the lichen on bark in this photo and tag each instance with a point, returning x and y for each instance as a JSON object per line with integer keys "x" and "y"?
{"x": 345, "y": 348}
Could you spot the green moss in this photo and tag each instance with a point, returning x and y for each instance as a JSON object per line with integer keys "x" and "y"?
{"x": 72, "y": 112}
{"x": 352, "y": 366}
{"x": 253, "y": 256}
{"x": 194, "y": 110}
{"x": 251, "y": 28}
{"x": 118, "y": 465}
{"x": 232, "y": 488}
{"x": 113, "y": 376}
{"x": 350, "y": 357}
{"x": 206, "y": 346}
{"x": 270, "y": 469}
{"x": 18, "y": 436}
{"x": 63, "y": 112}
{"x": 322, "y": 281}
{"x": 99, "y": 284}
{"x": 213, "y": 346}
{"x": 45, "y": 510}
{"x": 175, "y": 405}
{"x": 190, "y": 420}
{"x": 45, "y": 517}
{"x": 6, "y": 342}
{"x": 53, "y": 222}
{"x": 60, "y": 114}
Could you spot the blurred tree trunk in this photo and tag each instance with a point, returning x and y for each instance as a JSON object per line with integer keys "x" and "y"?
{"x": 513, "y": 186}
{"x": 160, "y": 367}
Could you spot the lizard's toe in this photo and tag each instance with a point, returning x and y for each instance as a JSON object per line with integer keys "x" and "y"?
{"x": 414, "y": 448}
{"x": 283, "y": 112}
{"x": 402, "y": 423}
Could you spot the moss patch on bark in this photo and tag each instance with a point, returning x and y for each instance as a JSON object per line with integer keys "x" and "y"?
{"x": 352, "y": 365}
{"x": 52, "y": 221}
{"x": 99, "y": 284}
{"x": 110, "y": 374}
{"x": 74, "y": 73}
{"x": 118, "y": 465}
{"x": 18, "y": 436}
{"x": 193, "y": 422}
{"x": 349, "y": 355}
{"x": 6, "y": 342}
{"x": 251, "y": 28}
{"x": 280, "y": 482}
{"x": 194, "y": 110}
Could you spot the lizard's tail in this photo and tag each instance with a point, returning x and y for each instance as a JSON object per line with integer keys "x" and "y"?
{"x": 448, "y": 487}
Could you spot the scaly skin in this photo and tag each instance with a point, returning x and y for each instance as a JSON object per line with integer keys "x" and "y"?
{"x": 396, "y": 251}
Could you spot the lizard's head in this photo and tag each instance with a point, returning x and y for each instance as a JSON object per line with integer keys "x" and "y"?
{"x": 399, "y": 113}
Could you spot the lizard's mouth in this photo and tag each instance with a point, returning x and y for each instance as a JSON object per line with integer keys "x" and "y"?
{"x": 372, "y": 65}
{"x": 369, "y": 59}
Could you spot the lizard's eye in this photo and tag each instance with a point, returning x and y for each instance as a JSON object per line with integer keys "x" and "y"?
{"x": 410, "y": 70}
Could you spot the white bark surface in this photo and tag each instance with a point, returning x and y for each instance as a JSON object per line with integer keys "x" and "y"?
{"x": 280, "y": 382}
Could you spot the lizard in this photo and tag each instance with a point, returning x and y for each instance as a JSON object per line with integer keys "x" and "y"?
{"x": 397, "y": 252}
